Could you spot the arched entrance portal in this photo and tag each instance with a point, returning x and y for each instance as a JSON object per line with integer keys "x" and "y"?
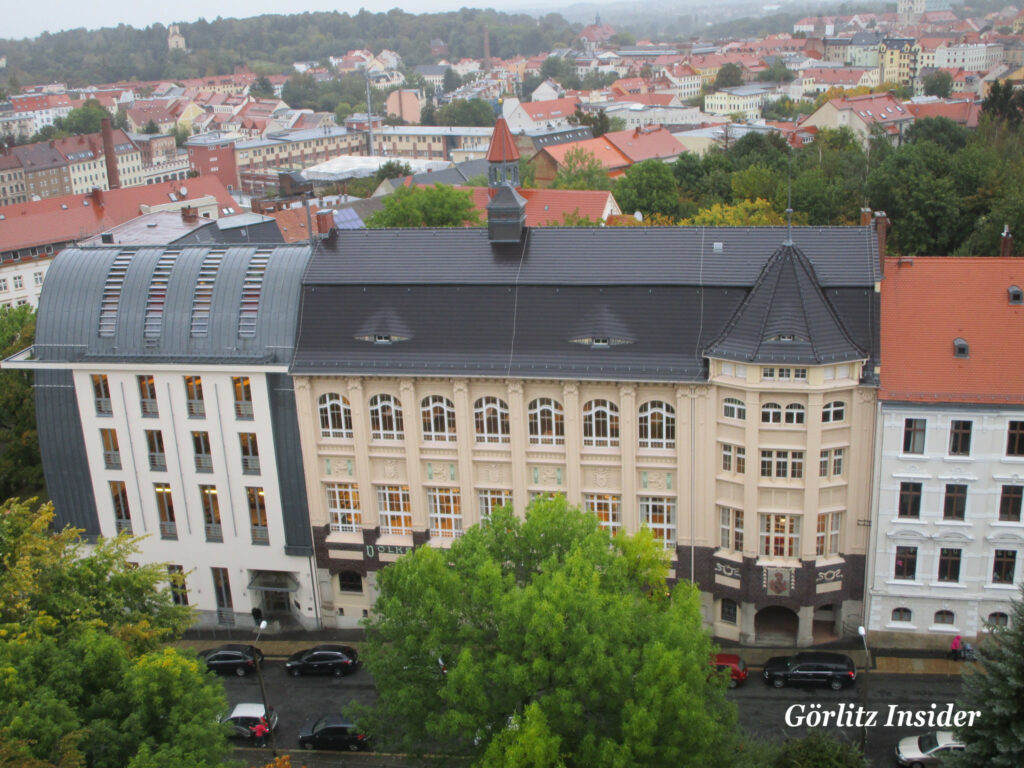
{"x": 775, "y": 625}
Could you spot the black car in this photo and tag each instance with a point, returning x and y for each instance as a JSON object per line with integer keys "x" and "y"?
{"x": 334, "y": 660}
{"x": 332, "y": 732}
{"x": 240, "y": 659}
{"x": 832, "y": 669}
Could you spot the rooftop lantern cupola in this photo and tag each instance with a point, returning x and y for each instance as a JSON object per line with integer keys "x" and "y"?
{"x": 503, "y": 157}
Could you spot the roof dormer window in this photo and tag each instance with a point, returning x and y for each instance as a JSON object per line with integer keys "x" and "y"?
{"x": 600, "y": 342}
{"x": 1016, "y": 295}
{"x": 960, "y": 348}
{"x": 382, "y": 339}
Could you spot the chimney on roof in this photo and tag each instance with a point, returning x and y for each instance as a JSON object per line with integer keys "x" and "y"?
{"x": 865, "y": 217}
{"x": 324, "y": 222}
{"x": 189, "y": 215}
{"x": 113, "y": 177}
{"x": 881, "y": 229}
{"x": 487, "y": 49}
{"x": 1006, "y": 242}
{"x": 97, "y": 196}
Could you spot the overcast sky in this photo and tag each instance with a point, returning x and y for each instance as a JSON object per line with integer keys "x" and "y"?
{"x": 23, "y": 18}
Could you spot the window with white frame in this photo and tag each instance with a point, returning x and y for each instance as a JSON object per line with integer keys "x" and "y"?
{"x": 489, "y": 499}
{"x": 386, "y": 418}
{"x": 19, "y": 282}
{"x": 833, "y": 412}
{"x": 546, "y": 422}
{"x": 771, "y": 413}
{"x": 394, "y": 509}
{"x": 491, "y": 417}
{"x": 831, "y": 462}
{"x": 780, "y": 535}
{"x": 600, "y": 423}
{"x": 733, "y": 408}
{"x": 734, "y": 458}
{"x": 659, "y": 514}
{"x": 4, "y": 287}
{"x": 827, "y": 539}
{"x": 657, "y": 425}
{"x": 607, "y": 507}
{"x": 37, "y": 278}
{"x": 800, "y": 374}
{"x": 343, "y": 507}
{"x": 438, "y": 419}
{"x": 768, "y": 374}
{"x": 731, "y": 528}
{"x": 782, "y": 464}
{"x": 335, "y": 416}
{"x": 444, "y": 512}
{"x": 795, "y": 413}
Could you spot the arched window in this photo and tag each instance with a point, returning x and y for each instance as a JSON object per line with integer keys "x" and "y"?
{"x": 771, "y": 413}
{"x": 944, "y": 617}
{"x": 600, "y": 423}
{"x": 795, "y": 413}
{"x": 335, "y": 416}
{"x": 834, "y": 411}
{"x": 657, "y": 425}
{"x": 386, "y": 418}
{"x": 901, "y": 614}
{"x": 734, "y": 409}
{"x": 438, "y": 418}
{"x": 547, "y": 422}
{"x": 491, "y": 415}
{"x": 999, "y": 619}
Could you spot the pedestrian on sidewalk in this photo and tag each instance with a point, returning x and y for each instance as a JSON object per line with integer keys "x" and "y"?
{"x": 260, "y": 731}
{"x": 956, "y": 649}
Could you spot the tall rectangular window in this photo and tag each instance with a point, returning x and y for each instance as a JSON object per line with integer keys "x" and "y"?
{"x": 178, "y": 587}
{"x": 730, "y": 529}
{"x": 119, "y": 499}
{"x": 949, "y": 565}
{"x": 960, "y": 438}
{"x": 394, "y": 509}
{"x": 243, "y": 397}
{"x": 101, "y": 394}
{"x": 211, "y": 513}
{"x": 343, "y": 507}
{"x": 910, "y": 500}
{"x": 489, "y": 500}
{"x": 201, "y": 446}
{"x": 607, "y": 507}
{"x": 111, "y": 450}
{"x": 734, "y": 459}
{"x": 155, "y": 446}
{"x": 780, "y": 535}
{"x": 827, "y": 536}
{"x": 194, "y": 402}
{"x": 165, "y": 511}
{"x": 257, "y": 515}
{"x": 250, "y": 453}
{"x": 913, "y": 435}
{"x": 444, "y": 511}
{"x": 659, "y": 514}
{"x": 147, "y": 396}
{"x": 1010, "y": 503}
{"x": 955, "y": 505}
{"x": 1015, "y": 438}
{"x": 906, "y": 563}
{"x": 1003, "y": 566}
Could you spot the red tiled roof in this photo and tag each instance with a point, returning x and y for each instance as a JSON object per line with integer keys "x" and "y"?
{"x": 881, "y": 108}
{"x": 549, "y": 207}
{"x": 651, "y": 141}
{"x": 929, "y": 302}
{"x": 503, "y": 147}
{"x": 965, "y": 113}
{"x": 292, "y": 223}
{"x": 651, "y": 99}
{"x": 551, "y": 109}
{"x": 605, "y": 152}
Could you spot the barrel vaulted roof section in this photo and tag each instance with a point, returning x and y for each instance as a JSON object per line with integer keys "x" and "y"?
{"x": 723, "y": 256}
{"x": 125, "y": 285}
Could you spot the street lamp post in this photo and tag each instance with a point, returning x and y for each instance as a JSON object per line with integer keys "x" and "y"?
{"x": 263, "y": 694}
{"x": 864, "y": 689}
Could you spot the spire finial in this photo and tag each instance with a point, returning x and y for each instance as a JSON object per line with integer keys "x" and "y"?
{"x": 789, "y": 200}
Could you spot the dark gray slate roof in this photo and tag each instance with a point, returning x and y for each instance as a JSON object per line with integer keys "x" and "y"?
{"x": 785, "y": 317}
{"x": 171, "y": 304}
{"x": 255, "y": 232}
{"x": 455, "y": 176}
{"x": 455, "y": 304}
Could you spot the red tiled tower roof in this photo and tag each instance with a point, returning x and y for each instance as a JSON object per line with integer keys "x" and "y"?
{"x": 503, "y": 147}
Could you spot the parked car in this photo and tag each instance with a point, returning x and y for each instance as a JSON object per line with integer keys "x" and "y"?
{"x": 240, "y": 659}
{"x": 734, "y": 665}
{"x": 926, "y": 749}
{"x": 244, "y": 716}
{"x": 832, "y": 669}
{"x": 332, "y": 732}
{"x": 334, "y": 660}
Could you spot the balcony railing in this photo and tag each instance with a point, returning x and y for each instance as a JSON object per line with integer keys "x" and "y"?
{"x": 250, "y": 465}
{"x": 260, "y": 534}
{"x": 124, "y": 526}
{"x": 204, "y": 462}
{"x": 158, "y": 462}
{"x": 196, "y": 409}
{"x": 243, "y": 409}
{"x": 112, "y": 459}
{"x": 149, "y": 407}
{"x": 103, "y": 406}
{"x": 168, "y": 530}
{"x": 214, "y": 532}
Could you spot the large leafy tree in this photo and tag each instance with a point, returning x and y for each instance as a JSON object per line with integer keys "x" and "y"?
{"x": 85, "y": 119}
{"x": 84, "y": 680}
{"x": 21, "y": 468}
{"x": 818, "y": 749}
{"x": 581, "y": 170}
{"x": 509, "y": 648}
{"x": 729, "y": 76}
{"x": 746, "y": 213}
{"x": 436, "y": 206}
{"x": 994, "y": 686}
{"x": 648, "y": 187}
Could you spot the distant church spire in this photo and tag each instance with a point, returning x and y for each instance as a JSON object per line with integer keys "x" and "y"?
{"x": 597, "y": 19}
{"x": 502, "y": 157}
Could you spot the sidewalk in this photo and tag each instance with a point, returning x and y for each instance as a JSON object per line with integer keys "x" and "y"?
{"x": 280, "y": 645}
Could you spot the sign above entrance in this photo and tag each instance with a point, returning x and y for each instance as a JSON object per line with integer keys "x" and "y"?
{"x": 778, "y": 581}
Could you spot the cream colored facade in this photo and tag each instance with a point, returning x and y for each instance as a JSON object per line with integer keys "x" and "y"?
{"x": 680, "y": 484}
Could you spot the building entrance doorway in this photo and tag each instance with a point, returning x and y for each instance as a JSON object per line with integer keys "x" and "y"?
{"x": 776, "y": 625}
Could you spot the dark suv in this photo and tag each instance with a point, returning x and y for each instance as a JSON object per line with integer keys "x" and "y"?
{"x": 832, "y": 669}
{"x": 334, "y": 660}
{"x": 332, "y": 732}
{"x": 240, "y": 659}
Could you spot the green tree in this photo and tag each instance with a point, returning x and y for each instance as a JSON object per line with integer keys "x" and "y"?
{"x": 994, "y": 686}
{"x": 262, "y": 88}
{"x": 746, "y": 213}
{"x": 451, "y": 80}
{"x": 151, "y": 128}
{"x": 939, "y": 130}
{"x": 756, "y": 181}
{"x": 21, "y": 468}
{"x": 465, "y": 112}
{"x": 1004, "y": 102}
{"x": 508, "y": 648}
{"x": 85, "y": 119}
{"x": 818, "y": 749}
{"x": 648, "y": 187}
{"x": 729, "y": 76}
{"x": 599, "y": 122}
{"x": 581, "y": 170}
{"x": 938, "y": 83}
{"x": 436, "y": 206}
{"x": 392, "y": 169}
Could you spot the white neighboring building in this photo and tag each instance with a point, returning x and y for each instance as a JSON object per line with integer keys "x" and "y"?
{"x": 947, "y": 537}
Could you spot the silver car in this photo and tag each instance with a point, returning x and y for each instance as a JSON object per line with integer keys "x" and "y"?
{"x": 926, "y": 749}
